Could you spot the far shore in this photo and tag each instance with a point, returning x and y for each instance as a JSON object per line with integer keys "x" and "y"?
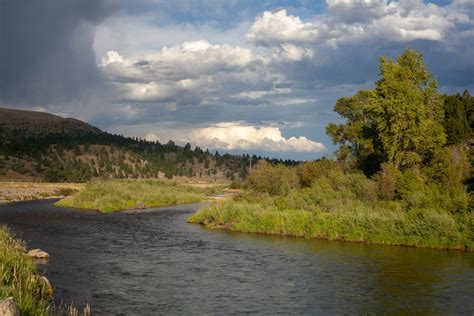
{"x": 25, "y": 191}
{"x": 17, "y": 191}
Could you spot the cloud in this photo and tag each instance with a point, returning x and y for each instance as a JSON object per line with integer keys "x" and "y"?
{"x": 133, "y": 35}
{"x": 46, "y": 56}
{"x": 190, "y": 70}
{"x": 260, "y": 94}
{"x": 297, "y": 55}
{"x": 189, "y": 59}
{"x": 242, "y": 136}
{"x": 273, "y": 28}
{"x": 355, "y": 21}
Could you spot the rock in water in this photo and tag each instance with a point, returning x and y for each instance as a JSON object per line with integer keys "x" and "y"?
{"x": 38, "y": 254}
{"x": 8, "y": 307}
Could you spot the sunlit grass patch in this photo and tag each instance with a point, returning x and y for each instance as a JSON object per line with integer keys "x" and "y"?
{"x": 116, "y": 195}
{"x": 362, "y": 223}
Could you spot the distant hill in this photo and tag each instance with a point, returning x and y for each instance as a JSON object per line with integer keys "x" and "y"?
{"x": 47, "y": 147}
{"x": 41, "y": 124}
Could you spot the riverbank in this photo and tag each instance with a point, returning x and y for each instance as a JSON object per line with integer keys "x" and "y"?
{"x": 323, "y": 200}
{"x": 24, "y": 191}
{"x": 431, "y": 230}
{"x": 119, "y": 195}
{"x": 20, "y": 278}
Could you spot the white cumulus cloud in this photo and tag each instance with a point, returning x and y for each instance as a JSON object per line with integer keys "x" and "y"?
{"x": 239, "y": 136}
{"x": 357, "y": 20}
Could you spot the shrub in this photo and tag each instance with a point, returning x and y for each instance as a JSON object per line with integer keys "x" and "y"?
{"x": 274, "y": 180}
{"x": 236, "y": 184}
{"x": 410, "y": 182}
{"x": 386, "y": 181}
{"x": 310, "y": 171}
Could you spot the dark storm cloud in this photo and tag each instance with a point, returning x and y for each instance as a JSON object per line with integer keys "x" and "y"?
{"x": 46, "y": 51}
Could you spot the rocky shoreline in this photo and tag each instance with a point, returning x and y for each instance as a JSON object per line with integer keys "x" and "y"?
{"x": 24, "y": 191}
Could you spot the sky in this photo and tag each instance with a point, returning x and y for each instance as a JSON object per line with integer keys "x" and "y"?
{"x": 234, "y": 76}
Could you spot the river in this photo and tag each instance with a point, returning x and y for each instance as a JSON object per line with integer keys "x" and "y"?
{"x": 152, "y": 262}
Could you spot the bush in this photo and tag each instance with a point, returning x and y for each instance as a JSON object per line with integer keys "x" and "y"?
{"x": 236, "y": 184}
{"x": 65, "y": 191}
{"x": 386, "y": 181}
{"x": 274, "y": 180}
{"x": 310, "y": 171}
{"x": 409, "y": 183}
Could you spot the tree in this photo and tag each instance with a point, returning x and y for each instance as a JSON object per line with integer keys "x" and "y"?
{"x": 456, "y": 119}
{"x": 357, "y": 136}
{"x": 399, "y": 122}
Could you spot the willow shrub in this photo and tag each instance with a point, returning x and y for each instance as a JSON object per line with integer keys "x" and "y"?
{"x": 274, "y": 180}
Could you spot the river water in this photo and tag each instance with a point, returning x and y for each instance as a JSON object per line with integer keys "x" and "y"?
{"x": 152, "y": 262}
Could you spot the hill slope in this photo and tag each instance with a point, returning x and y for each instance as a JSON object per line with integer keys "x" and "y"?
{"x": 40, "y": 124}
{"x": 43, "y": 146}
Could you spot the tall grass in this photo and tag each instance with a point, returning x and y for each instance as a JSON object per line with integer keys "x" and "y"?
{"x": 333, "y": 204}
{"x": 116, "y": 195}
{"x": 358, "y": 222}
{"x": 20, "y": 279}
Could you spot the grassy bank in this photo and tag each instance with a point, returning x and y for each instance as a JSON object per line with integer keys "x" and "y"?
{"x": 361, "y": 224}
{"x": 322, "y": 200}
{"x": 20, "y": 278}
{"x": 116, "y": 195}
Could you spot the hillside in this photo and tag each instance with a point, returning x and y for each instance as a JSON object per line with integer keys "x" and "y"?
{"x": 40, "y": 124}
{"x": 40, "y": 146}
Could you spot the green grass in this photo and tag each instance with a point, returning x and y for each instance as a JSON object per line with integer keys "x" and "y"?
{"x": 338, "y": 205}
{"x": 20, "y": 278}
{"x": 117, "y": 195}
{"x": 351, "y": 222}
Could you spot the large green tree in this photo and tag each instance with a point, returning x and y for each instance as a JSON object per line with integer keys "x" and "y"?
{"x": 399, "y": 122}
